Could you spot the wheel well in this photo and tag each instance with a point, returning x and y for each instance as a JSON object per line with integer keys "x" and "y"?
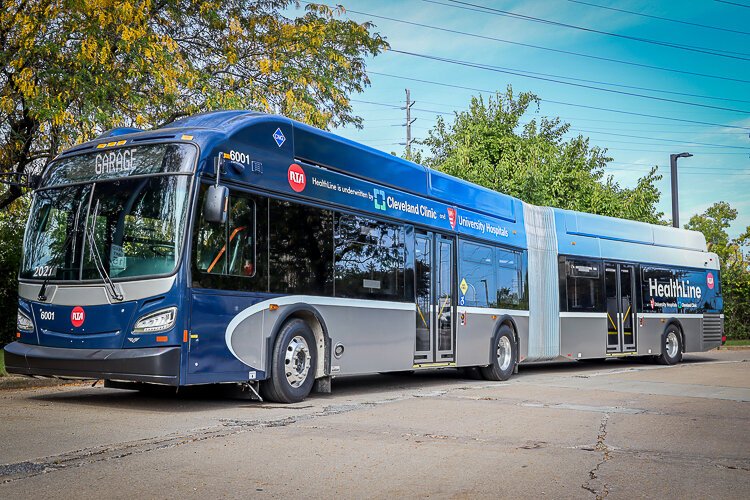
{"x": 676, "y": 323}
{"x": 322, "y": 341}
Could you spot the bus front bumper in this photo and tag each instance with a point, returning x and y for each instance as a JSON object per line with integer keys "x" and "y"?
{"x": 157, "y": 365}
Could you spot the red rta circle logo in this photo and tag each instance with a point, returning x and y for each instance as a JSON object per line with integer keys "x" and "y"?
{"x": 710, "y": 281}
{"x": 296, "y": 177}
{"x": 77, "y": 316}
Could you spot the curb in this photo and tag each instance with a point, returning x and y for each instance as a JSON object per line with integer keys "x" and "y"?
{"x": 735, "y": 348}
{"x": 14, "y": 382}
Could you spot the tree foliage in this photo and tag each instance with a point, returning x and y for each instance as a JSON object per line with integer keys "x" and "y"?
{"x": 735, "y": 265}
{"x": 12, "y": 223}
{"x": 488, "y": 145}
{"x": 71, "y": 69}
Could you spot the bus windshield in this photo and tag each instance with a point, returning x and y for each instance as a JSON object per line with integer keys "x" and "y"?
{"x": 134, "y": 226}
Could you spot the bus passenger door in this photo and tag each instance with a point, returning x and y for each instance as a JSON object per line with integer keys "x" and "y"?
{"x": 434, "y": 274}
{"x": 620, "y": 294}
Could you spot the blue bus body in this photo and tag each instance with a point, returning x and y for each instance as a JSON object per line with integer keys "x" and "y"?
{"x": 569, "y": 285}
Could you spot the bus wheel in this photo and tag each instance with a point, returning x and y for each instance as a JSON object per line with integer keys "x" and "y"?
{"x": 671, "y": 346}
{"x": 503, "y": 356}
{"x": 293, "y": 364}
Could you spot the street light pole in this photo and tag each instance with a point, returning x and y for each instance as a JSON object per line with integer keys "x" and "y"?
{"x": 675, "y": 201}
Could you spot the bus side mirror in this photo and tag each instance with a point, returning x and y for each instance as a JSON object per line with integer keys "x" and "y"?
{"x": 215, "y": 205}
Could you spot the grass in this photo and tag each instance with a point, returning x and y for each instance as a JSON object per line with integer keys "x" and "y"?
{"x": 3, "y": 373}
{"x": 738, "y": 342}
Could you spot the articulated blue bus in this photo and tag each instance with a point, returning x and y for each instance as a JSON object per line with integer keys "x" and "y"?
{"x": 249, "y": 249}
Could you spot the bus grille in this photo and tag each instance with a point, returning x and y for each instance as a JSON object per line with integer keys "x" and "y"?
{"x": 713, "y": 328}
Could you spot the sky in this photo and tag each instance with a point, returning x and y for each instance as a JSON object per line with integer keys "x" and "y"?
{"x": 687, "y": 61}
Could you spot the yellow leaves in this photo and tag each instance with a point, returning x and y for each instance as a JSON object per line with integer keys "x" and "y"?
{"x": 61, "y": 118}
{"x": 231, "y": 57}
{"x": 140, "y": 120}
{"x": 25, "y": 83}
{"x": 265, "y": 66}
{"x": 6, "y": 104}
{"x": 235, "y": 27}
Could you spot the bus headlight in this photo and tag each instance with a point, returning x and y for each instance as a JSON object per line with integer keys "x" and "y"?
{"x": 157, "y": 321}
{"x": 24, "y": 323}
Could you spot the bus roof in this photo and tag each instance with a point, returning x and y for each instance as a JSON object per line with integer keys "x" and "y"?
{"x": 337, "y": 153}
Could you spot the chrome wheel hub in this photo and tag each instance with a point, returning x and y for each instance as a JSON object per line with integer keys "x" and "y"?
{"x": 297, "y": 361}
{"x": 504, "y": 353}
{"x": 672, "y": 344}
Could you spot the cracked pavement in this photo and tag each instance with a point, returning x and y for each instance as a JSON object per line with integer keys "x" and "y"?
{"x": 615, "y": 429}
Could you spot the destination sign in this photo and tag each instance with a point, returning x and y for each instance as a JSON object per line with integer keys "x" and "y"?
{"x": 104, "y": 164}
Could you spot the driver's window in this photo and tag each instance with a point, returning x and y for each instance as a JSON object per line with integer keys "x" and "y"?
{"x": 229, "y": 248}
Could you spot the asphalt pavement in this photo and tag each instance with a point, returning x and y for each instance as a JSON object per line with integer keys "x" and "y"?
{"x": 615, "y": 429}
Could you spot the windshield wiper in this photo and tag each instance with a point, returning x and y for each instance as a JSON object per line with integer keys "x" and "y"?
{"x": 98, "y": 264}
{"x": 56, "y": 258}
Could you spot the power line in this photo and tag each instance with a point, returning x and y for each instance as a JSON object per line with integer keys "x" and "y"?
{"x": 693, "y": 147}
{"x": 723, "y": 146}
{"x": 515, "y": 72}
{"x": 669, "y": 19}
{"x": 579, "y": 54}
{"x": 660, "y": 131}
{"x": 393, "y": 106}
{"x": 689, "y": 48}
{"x": 667, "y": 151}
{"x": 733, "y": 3}
{"x": 632, "y": 143}
{"x": 707, "y": 169}
{"x": 645, "y": 115}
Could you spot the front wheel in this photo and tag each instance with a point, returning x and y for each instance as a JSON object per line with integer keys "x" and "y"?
{"x": 504, "y": 355}
{"x": 671, "y": 346}
{"x": 292, "y": 365}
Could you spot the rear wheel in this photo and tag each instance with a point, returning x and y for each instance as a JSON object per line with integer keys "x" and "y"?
{"x": 671, "y": 346}
{"x": 292, "y": 365}
{"x": 504, "y": 356}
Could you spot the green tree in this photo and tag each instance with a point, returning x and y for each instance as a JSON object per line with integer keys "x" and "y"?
{"x": 71, "y": 69}
{"x": 488, "y": 145}
{"x": 12, "y": 223}
{"x": 735, "y": 265}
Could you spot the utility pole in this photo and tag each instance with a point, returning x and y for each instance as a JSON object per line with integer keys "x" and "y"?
{"x": 675, "y": 199}
{"x": 409, "y": 121}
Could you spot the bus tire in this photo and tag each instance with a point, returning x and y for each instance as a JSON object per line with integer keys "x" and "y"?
{"x": 292, "y": 364}
{"x": 671, "y": 346}
{"x": 504, "y": 355}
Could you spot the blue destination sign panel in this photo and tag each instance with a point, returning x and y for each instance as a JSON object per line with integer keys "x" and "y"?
{"x": 329, "y": 186}
{"x": 125, "y": 161}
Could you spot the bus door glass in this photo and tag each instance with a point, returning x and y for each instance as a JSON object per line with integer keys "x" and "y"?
{"x": 620, "y": 293}
{"x": 423, "y": 288}
{"x": 434, "y": 274}
{"x": 627, "y": 307}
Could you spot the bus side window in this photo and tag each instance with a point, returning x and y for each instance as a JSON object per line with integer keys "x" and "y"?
{"x": 509, "y": 287}
{"x": 584, "y": 285}
{"x": 477, "y": 270}
{"x": 369, "y": 258}
{"x": 211, "y": 240}
{"x": 241, "y": 240}
{"x": 229, "y": 248}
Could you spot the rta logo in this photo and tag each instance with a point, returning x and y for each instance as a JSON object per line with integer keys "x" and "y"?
{"x": 296, "y": 177}
{"x": 710, "y": 281}
{"x": 77, "y": 316}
